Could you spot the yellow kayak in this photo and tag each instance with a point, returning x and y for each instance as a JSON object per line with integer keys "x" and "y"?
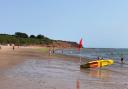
{"x": 97, "y": 63}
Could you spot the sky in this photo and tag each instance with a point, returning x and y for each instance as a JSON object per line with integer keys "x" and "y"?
{"x": 101, "y": 23}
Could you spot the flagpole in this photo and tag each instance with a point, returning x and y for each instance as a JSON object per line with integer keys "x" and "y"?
{"x": 80, "y": 46}
{"x": 80, "y": 57}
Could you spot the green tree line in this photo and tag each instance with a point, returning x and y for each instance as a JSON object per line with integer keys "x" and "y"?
{"x": 20, "y": 38}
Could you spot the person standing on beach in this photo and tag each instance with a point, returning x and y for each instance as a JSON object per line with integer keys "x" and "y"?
{"x": 53, "y": 51}
{"x": 62, "y": 51}
{"x": 13, "y": 47}
{"x": 50, "y": 52}
{"x": 122, "y": 60}
{"x": 98, "y": 58}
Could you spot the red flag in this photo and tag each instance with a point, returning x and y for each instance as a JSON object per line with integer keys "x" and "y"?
{"x": 80, "y": 44}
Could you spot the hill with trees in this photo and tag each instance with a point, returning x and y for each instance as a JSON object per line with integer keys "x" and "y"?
{"x": 21, "y": 39}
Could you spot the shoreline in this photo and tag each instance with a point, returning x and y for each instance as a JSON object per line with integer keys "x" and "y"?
{"x": 12, "y": 57}
{"x": 33, "y": 68}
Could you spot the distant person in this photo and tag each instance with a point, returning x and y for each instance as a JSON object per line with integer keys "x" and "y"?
{"x": 98, "y": 58}
{"x": 62, "y": 51}
{"x": 102, "y": 58}
{"x": 13, "y": 47}
{"x": 53, "y": 51}
{"x": 0, "y": 47}
{"x": 122, "y": 60}
{"x": 50, "y": 52}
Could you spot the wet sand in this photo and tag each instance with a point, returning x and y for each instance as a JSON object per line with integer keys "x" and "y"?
{"x": 29, "y": 68}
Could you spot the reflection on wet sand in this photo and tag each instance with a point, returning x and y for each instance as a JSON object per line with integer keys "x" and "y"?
{"x": 97, "y": 73}
{"x": 30, "y": 69}
{"x": 59, "y": 74}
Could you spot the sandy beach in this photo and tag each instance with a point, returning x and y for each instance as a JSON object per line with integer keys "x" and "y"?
{"x": 31, "y": 68}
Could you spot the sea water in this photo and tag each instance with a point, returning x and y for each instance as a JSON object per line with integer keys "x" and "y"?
{"x": 93, "y": 53}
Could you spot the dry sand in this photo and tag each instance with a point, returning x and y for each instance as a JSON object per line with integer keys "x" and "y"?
{"x": 29, "y": 68}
